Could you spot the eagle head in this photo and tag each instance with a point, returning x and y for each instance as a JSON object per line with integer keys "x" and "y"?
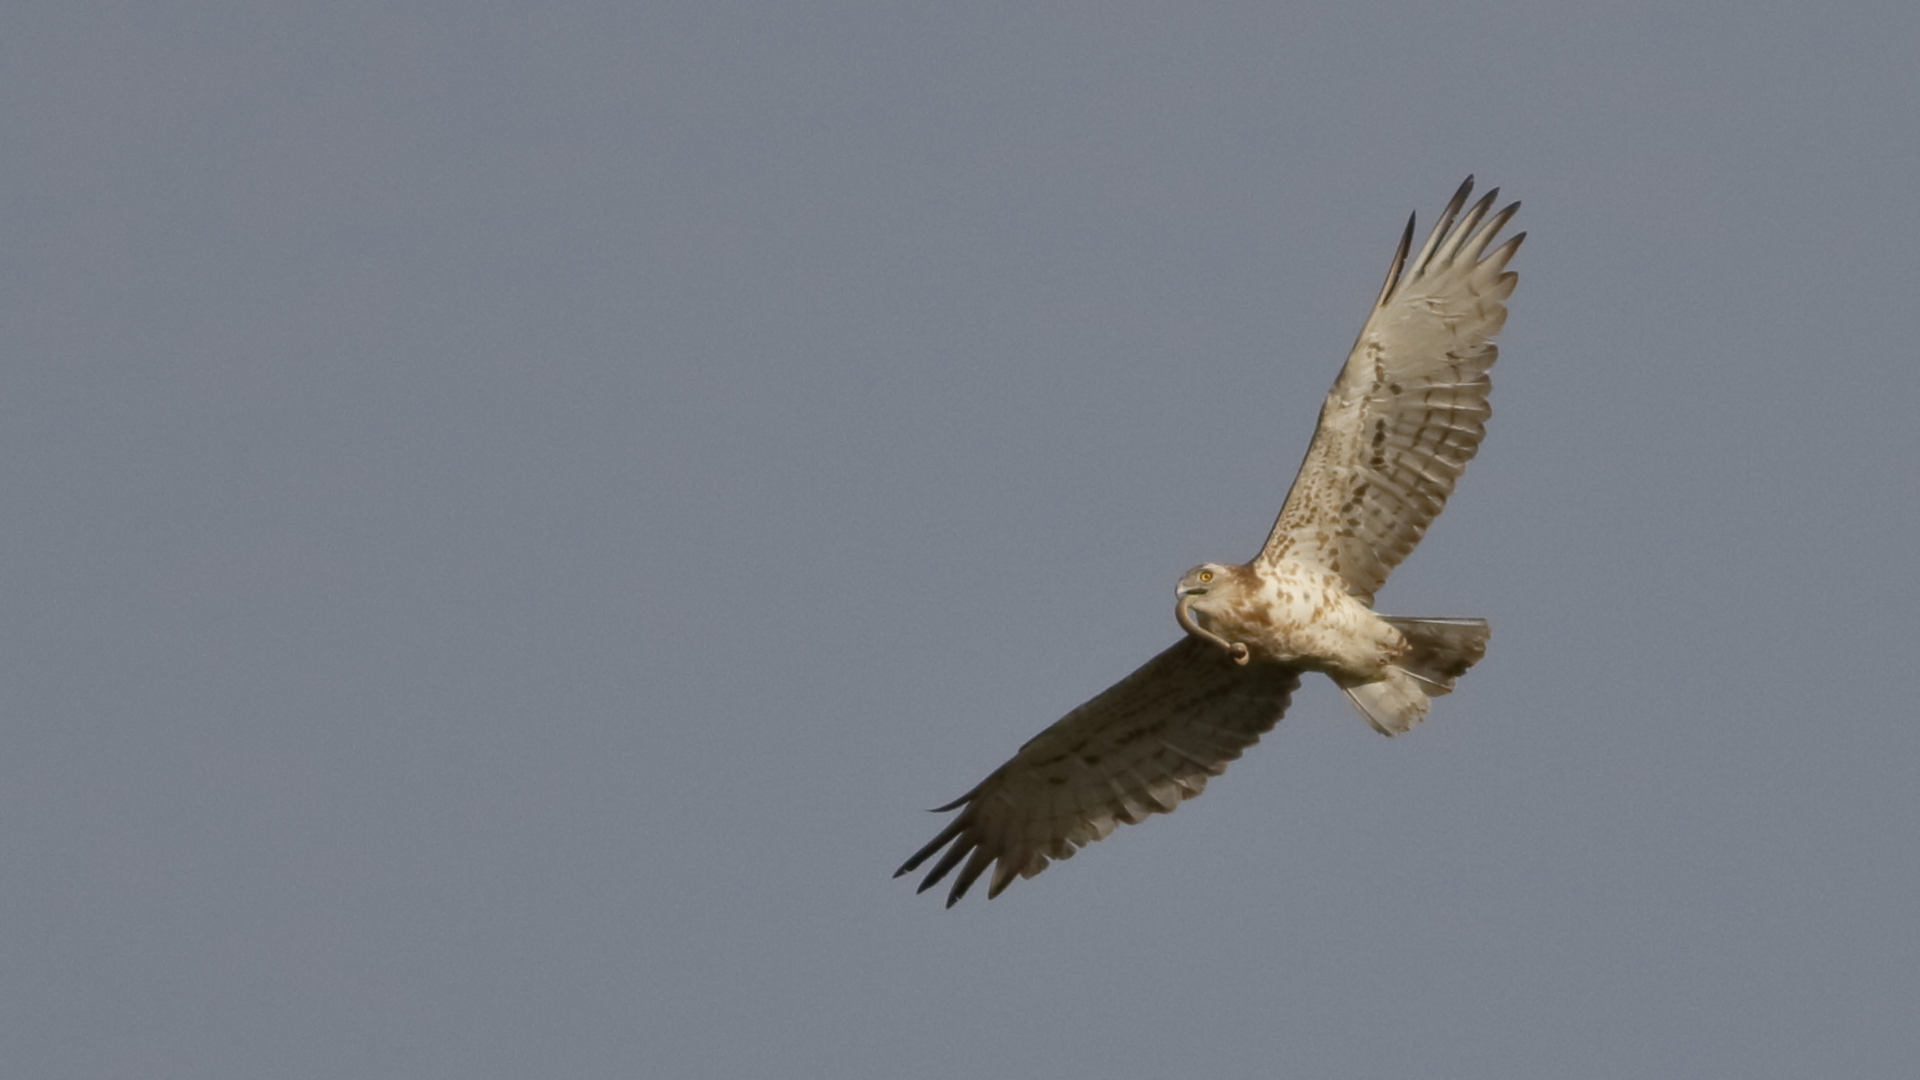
{"x": 1202, "y": 579}
{"x": 1202, "y": 590}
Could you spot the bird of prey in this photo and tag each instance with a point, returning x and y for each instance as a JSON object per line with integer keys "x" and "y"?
{"x": 1403, "y": 419}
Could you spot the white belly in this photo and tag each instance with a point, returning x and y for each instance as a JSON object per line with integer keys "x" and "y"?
{"x": 1302, "y": 614}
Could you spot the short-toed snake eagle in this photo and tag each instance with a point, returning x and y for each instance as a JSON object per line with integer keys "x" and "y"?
{"x": 1405, "y": 416}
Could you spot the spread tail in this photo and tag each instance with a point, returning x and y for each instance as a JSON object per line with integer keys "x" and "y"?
{"x": 1438, "y": 652}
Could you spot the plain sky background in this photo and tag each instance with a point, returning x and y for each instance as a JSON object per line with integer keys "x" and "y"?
{"x": 512, "y": 512}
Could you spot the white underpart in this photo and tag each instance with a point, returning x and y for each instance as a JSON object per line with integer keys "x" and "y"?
{"x": 1312, "y": 620}
{"x": 1302, "y": 614}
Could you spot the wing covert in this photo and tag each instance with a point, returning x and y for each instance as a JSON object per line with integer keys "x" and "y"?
{"x": 1140, "y": 747}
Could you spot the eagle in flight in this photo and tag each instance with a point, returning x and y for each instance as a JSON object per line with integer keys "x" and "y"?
{"x": 1403, "y": 419}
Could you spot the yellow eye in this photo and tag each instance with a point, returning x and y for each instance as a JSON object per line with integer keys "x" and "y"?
{"x": 1206, "y": 575}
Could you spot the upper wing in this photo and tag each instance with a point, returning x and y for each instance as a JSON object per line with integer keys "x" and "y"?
{"x": 1146, "y": 743}
{"x": 1409, "y": 409}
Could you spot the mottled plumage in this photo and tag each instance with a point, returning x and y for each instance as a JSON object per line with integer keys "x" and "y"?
{"x": 1403, "y": 419}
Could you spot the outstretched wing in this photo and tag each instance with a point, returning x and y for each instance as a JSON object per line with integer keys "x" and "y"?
{"x": 1409, "y": 409}
{"x": 1139, "y": 748}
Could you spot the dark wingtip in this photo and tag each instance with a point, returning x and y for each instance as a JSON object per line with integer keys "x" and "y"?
{"x": 1398, "y": 266}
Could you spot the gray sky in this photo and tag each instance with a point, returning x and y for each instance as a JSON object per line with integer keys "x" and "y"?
{"x": 512, "y": 516}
